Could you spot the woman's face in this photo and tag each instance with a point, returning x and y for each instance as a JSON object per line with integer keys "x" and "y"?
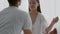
{"x": 33, "y": 4}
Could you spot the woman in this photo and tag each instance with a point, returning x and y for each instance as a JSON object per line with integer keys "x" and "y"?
{"x": 38, "y": 20}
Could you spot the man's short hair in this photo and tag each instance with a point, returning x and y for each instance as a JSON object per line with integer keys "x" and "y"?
{"x": 13, "y": 1}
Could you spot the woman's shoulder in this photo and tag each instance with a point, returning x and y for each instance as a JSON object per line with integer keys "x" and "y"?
{"x": 40, "y": 14}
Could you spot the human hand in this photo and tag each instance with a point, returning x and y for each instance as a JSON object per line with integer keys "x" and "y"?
{"x": 55, "y": 20}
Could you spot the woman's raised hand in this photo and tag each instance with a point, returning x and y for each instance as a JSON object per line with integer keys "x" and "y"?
{"x": 55, "y": 20}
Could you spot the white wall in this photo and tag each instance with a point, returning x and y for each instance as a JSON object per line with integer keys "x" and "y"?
{"x": 50, "y": 9}
{"x": 58, "y": 13}
{"x": 3, "y": 4}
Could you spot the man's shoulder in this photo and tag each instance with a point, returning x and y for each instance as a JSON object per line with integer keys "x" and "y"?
{"x": 21, "y": 11}
{"x": 15, "y": 11}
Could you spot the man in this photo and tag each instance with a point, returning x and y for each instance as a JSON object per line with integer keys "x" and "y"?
{"x": 13, "y": 20}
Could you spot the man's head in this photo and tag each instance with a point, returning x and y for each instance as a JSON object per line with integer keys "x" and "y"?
{"x": 14, "y": 2}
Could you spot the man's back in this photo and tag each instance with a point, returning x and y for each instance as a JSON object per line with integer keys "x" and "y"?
{"x": 12, "y": 20}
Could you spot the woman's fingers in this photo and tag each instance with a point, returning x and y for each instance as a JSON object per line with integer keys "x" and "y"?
{"x": 55, "y": 20}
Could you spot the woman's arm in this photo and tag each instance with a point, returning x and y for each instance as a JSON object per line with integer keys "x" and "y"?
{"x": 52, "y": 24}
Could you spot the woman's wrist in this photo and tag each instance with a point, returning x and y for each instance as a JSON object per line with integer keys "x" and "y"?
{"x": 46, "y": 33}
{"x": 52, "y": 23}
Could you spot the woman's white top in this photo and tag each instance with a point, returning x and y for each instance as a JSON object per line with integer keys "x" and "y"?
{"x": 40, "y": 25}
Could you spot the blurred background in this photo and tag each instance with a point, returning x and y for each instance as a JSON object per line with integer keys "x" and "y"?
{"x": 49, "y": 8}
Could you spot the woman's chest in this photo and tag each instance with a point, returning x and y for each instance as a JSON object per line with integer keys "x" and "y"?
{"x": 36, "y": 28}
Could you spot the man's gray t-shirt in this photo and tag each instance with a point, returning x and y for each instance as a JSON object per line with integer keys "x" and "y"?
{"x": 13, "y": 21}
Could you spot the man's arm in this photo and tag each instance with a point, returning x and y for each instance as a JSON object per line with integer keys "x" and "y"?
{"x": 27, "y": 32}
{"x": 27, "y": 28}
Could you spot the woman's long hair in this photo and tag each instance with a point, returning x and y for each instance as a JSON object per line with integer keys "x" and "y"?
{"x": 38, "y": 8}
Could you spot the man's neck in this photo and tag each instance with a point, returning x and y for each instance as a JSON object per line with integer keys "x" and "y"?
{"x": 14, "y": 5}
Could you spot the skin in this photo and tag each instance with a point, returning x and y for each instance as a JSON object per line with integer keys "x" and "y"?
{"x": 53, "y": 22}
{"x": 33, "y": 10}
{"x": 26, "y": 31}
{"x": 33, "y": 4}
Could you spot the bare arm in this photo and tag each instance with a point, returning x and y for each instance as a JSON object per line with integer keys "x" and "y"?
{"x": 27, "y": 32}
{"x": 51, "y": 25}
{"x": 49, "y": 28}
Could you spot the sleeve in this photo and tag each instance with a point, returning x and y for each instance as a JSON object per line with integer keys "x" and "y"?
{"x": 44, "y": 24}
{"x": 27, "y": 22}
